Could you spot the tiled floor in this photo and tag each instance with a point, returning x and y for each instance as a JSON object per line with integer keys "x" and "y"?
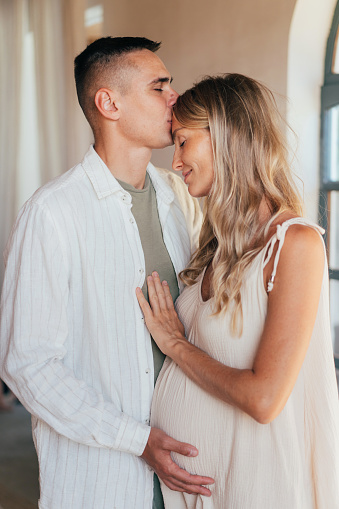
{"x": 18, "y": 462}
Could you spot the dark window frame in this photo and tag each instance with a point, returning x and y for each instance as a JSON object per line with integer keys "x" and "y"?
{"x": 329, "y": 99}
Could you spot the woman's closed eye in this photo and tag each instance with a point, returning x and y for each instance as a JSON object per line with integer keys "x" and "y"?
{"x": 179, "y": 143}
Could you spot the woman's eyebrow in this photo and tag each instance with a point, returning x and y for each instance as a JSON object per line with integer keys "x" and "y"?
{"x": 175, "y": 132}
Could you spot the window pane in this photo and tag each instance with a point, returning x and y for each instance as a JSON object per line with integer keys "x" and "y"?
{"x": 332, "y": 128}
{"x": 333, "y": 238}
{"x": 335, "y": 61}
{"x": 334, "y": 310}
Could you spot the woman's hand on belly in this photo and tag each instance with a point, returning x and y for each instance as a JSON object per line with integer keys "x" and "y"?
{"x": 157, "y": 454}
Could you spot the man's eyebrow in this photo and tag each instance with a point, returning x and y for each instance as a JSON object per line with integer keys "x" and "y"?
{"x": 161, "y": 80}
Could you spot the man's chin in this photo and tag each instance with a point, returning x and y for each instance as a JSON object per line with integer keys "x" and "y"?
{"x": 164, "y": 144}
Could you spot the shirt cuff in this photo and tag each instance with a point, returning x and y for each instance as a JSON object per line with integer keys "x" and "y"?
{"x": 124, "y": 433}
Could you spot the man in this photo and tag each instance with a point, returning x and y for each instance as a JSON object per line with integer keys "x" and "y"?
{"x": 74, "y": 346}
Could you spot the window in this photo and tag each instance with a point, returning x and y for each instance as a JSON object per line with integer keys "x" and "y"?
{"x": 329, "y": 184}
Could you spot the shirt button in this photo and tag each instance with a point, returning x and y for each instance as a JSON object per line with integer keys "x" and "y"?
{"x": 131, "y": 220}
{"x": 147, "y": 371}
{"x": 124, "y": 197}
{"x": 141, "y": 271}
{"x": 147, "y": 421}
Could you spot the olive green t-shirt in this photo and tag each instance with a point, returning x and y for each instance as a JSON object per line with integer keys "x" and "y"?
{"x": 145, "y": 212}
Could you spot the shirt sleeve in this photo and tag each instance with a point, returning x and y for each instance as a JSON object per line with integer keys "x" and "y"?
{"x": 33, "y": 337}
{"x": 188, "y": 205}
{"x": 192, "y": 211}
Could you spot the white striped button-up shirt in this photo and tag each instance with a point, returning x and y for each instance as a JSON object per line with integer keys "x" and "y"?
{"x": 74, "y": 346}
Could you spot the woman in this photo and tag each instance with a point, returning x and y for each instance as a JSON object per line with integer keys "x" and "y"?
{"x": 249, "y": 378}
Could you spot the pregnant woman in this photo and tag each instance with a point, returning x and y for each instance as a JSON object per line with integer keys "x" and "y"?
{"x": 249, "y": 378}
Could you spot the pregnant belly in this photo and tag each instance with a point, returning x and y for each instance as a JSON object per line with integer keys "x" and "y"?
{"x": 189, "y": 414}
{"x": 233, "y": 448}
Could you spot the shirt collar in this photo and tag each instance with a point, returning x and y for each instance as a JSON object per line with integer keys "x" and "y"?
{"x": 101, "y": 178}
{"x": 105, "y": 184}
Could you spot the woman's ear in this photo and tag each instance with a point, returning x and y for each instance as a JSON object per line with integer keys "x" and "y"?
{"x": 107, "y": 103}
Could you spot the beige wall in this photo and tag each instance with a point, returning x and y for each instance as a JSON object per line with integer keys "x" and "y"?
{"x": 207, "y": 37}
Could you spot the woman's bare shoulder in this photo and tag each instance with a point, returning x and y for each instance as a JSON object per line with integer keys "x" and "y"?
{"x": 305, "y": 241}
{"x": 303, "y": 249}
{"x": 299, "y": 234}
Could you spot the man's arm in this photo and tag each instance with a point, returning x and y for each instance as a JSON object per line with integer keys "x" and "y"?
{"x": 34, "y": 333}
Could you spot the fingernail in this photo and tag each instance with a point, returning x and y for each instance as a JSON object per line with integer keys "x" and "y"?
{"x": 155, "y": 274}
{"x": 193, "y": 452}
{"x": 165, "y": 283}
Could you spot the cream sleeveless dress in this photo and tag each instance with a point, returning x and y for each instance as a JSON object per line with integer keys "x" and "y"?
{"x": 290, "y": 463}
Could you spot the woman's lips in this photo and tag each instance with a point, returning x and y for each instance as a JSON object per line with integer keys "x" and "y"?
{"x": 186, "y": 175}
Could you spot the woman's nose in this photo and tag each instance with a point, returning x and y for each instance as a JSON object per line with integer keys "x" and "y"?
{"x": 173, "y": 98}
{"x": 177, "y": 163}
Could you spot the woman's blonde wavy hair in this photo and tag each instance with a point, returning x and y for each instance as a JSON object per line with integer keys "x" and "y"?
{"x": 250, "y": 163}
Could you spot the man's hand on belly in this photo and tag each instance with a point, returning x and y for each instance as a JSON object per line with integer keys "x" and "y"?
{"x": 157, "y": 454}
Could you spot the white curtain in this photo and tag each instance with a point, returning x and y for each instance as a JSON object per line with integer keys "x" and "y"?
{"x": 12, "y": 13}
{"x": 77, "y": 131}
{"x": 63, "y": 133}
{"x": 59, "y": 35}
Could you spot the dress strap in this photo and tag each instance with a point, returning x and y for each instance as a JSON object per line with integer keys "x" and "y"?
{"x": 279, "y": 237}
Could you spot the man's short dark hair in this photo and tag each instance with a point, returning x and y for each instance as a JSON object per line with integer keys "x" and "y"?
{"x": 101, "y": 55}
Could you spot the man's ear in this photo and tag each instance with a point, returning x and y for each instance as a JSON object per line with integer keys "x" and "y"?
{"x": 107, "y": 103}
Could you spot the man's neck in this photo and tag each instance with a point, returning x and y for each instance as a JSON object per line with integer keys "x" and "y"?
{"x": 125, "y": 163}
